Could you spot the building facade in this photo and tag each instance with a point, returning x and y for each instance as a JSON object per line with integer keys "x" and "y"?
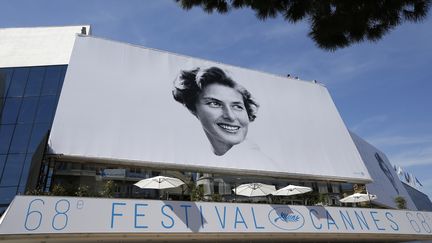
{"x": 33, "y": 63}
{"x": 30, "y": 99}
{"x": 82, "y": 113}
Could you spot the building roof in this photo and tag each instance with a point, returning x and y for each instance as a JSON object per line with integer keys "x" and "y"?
{"x": 23, "y": 47}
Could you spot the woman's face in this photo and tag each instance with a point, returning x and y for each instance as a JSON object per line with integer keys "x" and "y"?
{"x": 223, "y": 116}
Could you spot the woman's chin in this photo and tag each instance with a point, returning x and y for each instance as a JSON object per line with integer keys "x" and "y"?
{"x": 220, "y": 148}
{"x": 219, "y": 151}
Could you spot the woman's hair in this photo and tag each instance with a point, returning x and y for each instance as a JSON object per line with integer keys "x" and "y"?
{"x": 190, "y": 84}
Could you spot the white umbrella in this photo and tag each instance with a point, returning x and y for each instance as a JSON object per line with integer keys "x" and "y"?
{"x": 358, "y": 197}
{"x": 254, "y": 189}
{"x": 159, "y": 182}
{"x": 292, "y": 190}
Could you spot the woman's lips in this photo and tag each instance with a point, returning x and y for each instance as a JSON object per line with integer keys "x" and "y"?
{"x": 229, "y": 128}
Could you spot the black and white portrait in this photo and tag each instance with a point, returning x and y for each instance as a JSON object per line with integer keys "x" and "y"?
{"x": 171, "y": 109}
{"x": 223, "y": 107}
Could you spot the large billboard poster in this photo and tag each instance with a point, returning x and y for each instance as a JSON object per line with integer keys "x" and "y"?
{"x": 130, "y": 103}
{"x": 386, "y": 183}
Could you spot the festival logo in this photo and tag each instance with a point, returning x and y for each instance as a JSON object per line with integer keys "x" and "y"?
{"x": 286, "y": 218}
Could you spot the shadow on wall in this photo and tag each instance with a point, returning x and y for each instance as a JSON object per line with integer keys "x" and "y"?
{"x": 184, "y": 211}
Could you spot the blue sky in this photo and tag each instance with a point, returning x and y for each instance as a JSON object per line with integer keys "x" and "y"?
{"x": 382, "y": 90}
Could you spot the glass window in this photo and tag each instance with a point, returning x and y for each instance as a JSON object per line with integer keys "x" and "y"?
{"x": 7, "y": 194}
{"x": 21, "y": 190}
{"x": 34, "y": 83}
{"x": 28, "y": 110}
{"x": 335, "y": 188}
{"x": 62, "y": 77}
{"x": 18, "y": 82}
{"x": 2, "y": 162}
{"x": 347, "y": 187}
{"x": 25, "y": 173}
{"x": 10, "y": 111}
{"x": 14, "y": 164}
{"x": 76, "y": 166}
{"x": 6, "y": 132}
{"x": 2, "y": 102}
{"x": 20, "y": 138}
{"x": 47, "y": 105}
{"x": 51, "y": 81}
{"x": 38, "y": 133}
{"x": 322, "y": 188}
{"x": 28, "y": 98}
{"x": 5, "y": 77}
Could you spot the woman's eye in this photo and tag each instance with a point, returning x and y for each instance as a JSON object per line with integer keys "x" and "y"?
{"x": 213, "y": 104}
{"x": 238, "y": 107}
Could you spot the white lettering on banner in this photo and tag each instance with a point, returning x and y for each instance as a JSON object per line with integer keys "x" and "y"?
{"x": 43, "y": 214}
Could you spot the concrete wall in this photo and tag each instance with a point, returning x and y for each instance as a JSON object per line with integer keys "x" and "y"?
{"x": 38, "y": 46}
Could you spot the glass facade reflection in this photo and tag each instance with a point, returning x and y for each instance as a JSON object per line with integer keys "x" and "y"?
{"x": 28, "y": 99}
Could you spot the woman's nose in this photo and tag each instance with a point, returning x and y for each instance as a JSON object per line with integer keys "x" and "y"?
{"x": 228, "y": 114}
